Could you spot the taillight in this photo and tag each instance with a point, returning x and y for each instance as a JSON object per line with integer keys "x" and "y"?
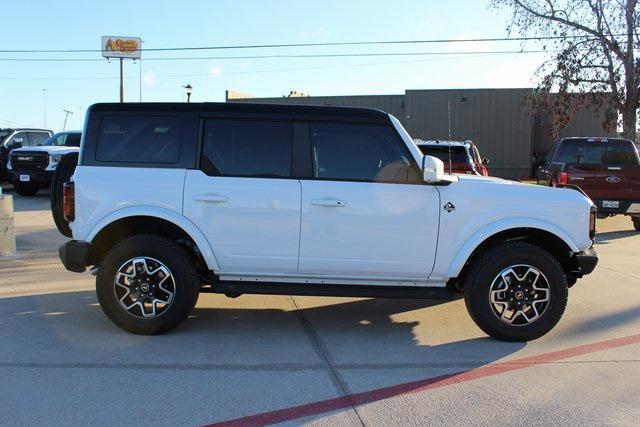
{"x": 592, "y": 222}
{"x": 563, "y": 178}
{"x": 69, "y": 201}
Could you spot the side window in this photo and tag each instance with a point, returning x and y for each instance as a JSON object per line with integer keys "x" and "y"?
{"x": 73, "y": 140}
{"x": 250, "y": 148}
{"x": 37, "y": 138}
{"x": 360, "y": 153}
{"x": 139, "y": 139}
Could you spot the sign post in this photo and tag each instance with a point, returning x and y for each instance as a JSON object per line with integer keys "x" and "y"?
{"x": 121, "y": 48}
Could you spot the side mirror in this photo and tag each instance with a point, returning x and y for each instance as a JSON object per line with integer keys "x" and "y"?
{"x": 433, "y": 170}
{"x": 485, "y": 161}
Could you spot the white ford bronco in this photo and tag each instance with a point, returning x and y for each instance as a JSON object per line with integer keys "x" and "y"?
{"x": 171, "y": 200}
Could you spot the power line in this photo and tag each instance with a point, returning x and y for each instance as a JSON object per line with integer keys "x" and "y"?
{"x": 354, "y": 43}
{"x": 274, "y": 70}
{"x": 278, "y": 56}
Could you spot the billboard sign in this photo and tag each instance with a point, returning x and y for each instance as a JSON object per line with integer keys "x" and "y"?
{"x": 121, "y": 47}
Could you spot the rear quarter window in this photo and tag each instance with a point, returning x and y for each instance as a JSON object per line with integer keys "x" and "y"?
{"x": 139, "y": 139}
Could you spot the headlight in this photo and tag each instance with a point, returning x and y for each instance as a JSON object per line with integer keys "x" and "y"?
{"x": 55, "y": 158}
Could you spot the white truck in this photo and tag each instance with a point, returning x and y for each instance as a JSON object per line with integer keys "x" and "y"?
{"x": 31, "y": 168}
{"x": 171, "y": 200}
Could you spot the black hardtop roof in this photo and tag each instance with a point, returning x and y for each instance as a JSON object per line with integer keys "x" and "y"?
{"x": 594, "y": 139}
{"x": 302, "y": 111}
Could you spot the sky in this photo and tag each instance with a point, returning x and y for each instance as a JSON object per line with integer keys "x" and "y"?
{"x": 29, "y": 91}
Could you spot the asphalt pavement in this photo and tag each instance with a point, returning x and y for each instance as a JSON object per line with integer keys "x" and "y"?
{"x": 321, "y": 361}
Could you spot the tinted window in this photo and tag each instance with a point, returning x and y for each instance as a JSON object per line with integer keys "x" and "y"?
{"x": 64, "y": 140}
{"x": 598, "y": 153}
{"x": 38, "y": 138}
{"x": 140, "y": 139}
{"x": 458, "y": 154}
{"x": 360, "y": 153}
{"x": 247, "y": 148}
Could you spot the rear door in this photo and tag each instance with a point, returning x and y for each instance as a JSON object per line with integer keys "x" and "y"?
{"x": 365, "y": 212}
{"x": 243, "y": 197}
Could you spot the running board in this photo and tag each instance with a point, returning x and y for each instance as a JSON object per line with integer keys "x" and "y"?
{"x": 234, "y": 289}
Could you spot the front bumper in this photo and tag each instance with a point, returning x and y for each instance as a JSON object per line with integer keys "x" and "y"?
{"x": 586, "y": 261}
{"x": 39, "y": 178}
{"x": 74, "y": 255}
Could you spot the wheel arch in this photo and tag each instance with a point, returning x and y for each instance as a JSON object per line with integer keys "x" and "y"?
{"x": 151, "y": 220}
{"x": 544, "y": 235}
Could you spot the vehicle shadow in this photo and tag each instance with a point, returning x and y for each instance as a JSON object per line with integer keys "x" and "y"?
{"x": 360, "y": 334}
{"x": 41, "y": 201}
{"x": 606, "y": 321}
{"x": 614, "y": 235}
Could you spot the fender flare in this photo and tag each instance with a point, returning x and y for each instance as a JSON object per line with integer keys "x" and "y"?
{"x": 168, "y": 215}
{"x": 503, "y": 225}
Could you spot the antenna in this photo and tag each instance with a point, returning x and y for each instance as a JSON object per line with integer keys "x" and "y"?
{"x": 449, "y": 134}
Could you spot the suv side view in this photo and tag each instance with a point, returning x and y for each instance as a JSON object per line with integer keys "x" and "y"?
{"x": 171, "y": 200}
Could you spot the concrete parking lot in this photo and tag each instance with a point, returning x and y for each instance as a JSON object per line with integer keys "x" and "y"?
{"x": 324, "y": 361}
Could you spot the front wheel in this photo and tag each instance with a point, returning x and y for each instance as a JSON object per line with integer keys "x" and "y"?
{"x": 516, "y": 292}
{"x": 147, "y": 284}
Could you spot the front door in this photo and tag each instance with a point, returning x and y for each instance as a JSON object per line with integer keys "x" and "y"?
{"x": 243, "y": 198}
{"x": 365, "y": 213}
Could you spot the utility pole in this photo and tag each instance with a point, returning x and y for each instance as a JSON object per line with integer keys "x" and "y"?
{"x": 121, "y": 80}
{"x": 44, "y": 108}
{"x": 66, "y": 114}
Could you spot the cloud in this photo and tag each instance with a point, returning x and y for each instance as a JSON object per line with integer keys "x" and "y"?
{"x": 149, "y": 78}
{"x": 216, "y": 70}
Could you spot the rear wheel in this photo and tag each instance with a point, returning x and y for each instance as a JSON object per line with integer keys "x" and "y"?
{"x": 25, "y": 189}
{"x": 516, "y": 292}
{"x": 636, "y": 222}
{"x": 63, "y": 173}
{"x": 147, "y": 284}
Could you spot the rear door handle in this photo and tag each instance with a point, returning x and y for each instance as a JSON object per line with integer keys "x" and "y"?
{"x": 210, "y": 198}
{"x": 330, "y": 203}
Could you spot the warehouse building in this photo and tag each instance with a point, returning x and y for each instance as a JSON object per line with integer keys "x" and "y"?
{"x": 497, "y": 120}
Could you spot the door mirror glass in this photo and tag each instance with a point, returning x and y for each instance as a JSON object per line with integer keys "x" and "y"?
{"x": 433, "y": 170}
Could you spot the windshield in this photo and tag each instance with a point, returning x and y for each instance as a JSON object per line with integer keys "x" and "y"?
{"x": 584, "y": 152}
{"x": 63, "y": 140}
{"x": 458, "y": 154}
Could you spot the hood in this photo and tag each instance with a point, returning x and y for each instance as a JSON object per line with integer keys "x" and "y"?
{"x": 47, "y": 149}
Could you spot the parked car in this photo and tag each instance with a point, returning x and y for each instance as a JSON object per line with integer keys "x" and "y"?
{"x": 31, "y": 168}
{"x": 170, "y": 200}
{"x": 11, "y": 138}
{"x": 606, "y": 169}
{"x": 465, "y": 157}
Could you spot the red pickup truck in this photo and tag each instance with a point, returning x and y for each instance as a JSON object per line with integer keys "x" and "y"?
{"x": 606, "y": 169}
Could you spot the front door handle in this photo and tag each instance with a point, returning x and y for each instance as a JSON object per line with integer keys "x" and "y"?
{"x": 330, "y": 203}
{"x": 210, "y": 198}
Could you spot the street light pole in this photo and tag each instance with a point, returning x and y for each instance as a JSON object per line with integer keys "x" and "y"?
{"x": 44, "y": 107}
{"x": 189, "y": 89}
{"x": 66, "y": 115}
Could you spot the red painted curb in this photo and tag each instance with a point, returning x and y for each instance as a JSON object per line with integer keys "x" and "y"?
{"x": 323, "y": 406}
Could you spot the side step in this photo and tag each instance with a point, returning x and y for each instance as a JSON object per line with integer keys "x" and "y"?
{"x": 234, "y": 289}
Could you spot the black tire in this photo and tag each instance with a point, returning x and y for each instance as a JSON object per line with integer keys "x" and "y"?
{"x": 488, "y": 267}
{"x": 63, "y": 173}
{"x": 636, "y": 222}
{"x": 179, "y": 264}
{"x": 25, "y": 189}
